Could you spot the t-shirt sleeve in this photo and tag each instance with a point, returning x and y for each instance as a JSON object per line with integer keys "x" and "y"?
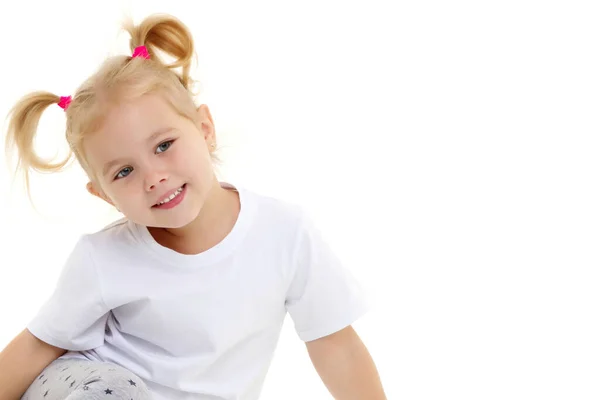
{"x": 323, "y": 296}
{"x": 74, "y": 317}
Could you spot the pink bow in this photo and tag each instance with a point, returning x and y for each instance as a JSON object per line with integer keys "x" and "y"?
{"x": 64, "y": 102}
{"x": 141, "y": 51}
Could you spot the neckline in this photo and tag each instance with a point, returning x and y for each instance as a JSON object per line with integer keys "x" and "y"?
{"x": 213, "y": 255}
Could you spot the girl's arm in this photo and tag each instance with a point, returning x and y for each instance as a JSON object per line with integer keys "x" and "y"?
{"x": 346, "y": 367}
{"x": 21, "y": 362}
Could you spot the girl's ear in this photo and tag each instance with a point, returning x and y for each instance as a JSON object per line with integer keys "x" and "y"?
{"x": 205, "y": 123}
{"x": 91, "y": 188}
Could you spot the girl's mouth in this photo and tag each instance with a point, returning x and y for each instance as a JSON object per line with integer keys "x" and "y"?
{"x": 173, "y": 200}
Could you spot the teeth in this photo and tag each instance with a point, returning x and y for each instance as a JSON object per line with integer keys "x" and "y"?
{"x": 171, "y": 197}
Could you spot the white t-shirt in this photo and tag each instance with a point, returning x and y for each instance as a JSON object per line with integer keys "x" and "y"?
{"x": 201, "y": 326}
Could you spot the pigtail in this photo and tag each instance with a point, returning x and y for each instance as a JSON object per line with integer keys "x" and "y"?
{"x": 24, "y": 118}
{"x": 169, "y": 35}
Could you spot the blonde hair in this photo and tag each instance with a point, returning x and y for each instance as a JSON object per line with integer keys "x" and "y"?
{"x": 120, "y": 78}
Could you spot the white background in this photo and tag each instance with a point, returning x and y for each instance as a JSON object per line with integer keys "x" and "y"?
{"x": 449, "y": 150}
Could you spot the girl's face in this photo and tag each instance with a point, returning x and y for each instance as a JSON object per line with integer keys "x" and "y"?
{"x": 144, "y": 153}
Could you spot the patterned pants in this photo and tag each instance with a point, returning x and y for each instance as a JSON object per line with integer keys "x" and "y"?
{"x": 75, "y": 379}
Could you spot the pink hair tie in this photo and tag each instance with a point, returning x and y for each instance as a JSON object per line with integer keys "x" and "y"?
{"x": 64, "y": 102}
{"x": 141, "y": 51}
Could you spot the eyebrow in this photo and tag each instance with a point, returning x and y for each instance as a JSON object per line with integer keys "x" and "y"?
{"x": 150, "y": 139}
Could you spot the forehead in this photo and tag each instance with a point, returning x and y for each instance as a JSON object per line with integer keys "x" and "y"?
{"x": 126, "y": 127}
{"x": 128, "y": 119}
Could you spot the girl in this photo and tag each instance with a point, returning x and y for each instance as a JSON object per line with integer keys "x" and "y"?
{"x": 184, "y": 298}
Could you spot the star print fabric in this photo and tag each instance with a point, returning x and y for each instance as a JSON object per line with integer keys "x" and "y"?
{"x": 75, "y": 379}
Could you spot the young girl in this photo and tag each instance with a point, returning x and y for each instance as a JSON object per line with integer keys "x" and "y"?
{"x": 185, "y": 297}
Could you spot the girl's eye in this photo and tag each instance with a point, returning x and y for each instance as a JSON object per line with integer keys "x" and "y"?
{"x": 124, "y": 172}
{"x": 164, "y": 146}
